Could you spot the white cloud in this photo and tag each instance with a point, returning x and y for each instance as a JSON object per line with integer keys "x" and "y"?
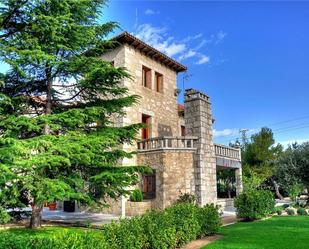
{"x": 158, "y": 38}
{"x": 188, "y": 54}
{"x": 202, "y": 59}
{"x": 286, "y": 143}
{"x": 201, "y": 44}
{"x": 192, "y": 37}
{"x": 226, "y": 132}
{"x": 220, "y": 37}
{"x": 150, "y": 12}
{"x": 233, "y": 132}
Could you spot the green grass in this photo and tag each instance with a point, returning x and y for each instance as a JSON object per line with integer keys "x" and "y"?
{"x": 276, "y": 233}
{"x": 44, "y": 231}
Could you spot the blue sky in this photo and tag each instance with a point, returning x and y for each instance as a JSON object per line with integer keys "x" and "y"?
{"x": 250, "y": 57}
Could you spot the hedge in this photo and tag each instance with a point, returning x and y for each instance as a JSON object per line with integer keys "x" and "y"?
{"x": 170, "y": 228}
{"x": 254, "y": 204}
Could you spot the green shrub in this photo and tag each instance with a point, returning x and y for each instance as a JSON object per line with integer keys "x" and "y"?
{"x": 209, "y": 220}
{"x": 254, "y": 204}
{"x": 128, "y": 233}
{"x": 169, "y": 228}
{"x": 184, "y": 219}
{"x": 85, "y": 240}
{"x": 136, "y": 195}
{"x": 279, "y": 210}
{"x": 285, "y": 206}
{"x": 4, "y": 216}
{"x": 186, "y": 198}
{"x": 294, "y": 191}
{"x": 301, "y": 211}
{"x": 161, "y": 234}
{"x": 290, "y": 211}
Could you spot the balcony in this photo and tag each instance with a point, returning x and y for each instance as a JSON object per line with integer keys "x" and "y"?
{"x": 166, "y": 143}
{"x": 227, "y": 152}
{"x": 226, "y": 157}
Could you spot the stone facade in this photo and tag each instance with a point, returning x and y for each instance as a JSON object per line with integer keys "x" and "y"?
{"x": 174, "y": 174}
{"x": 178, "y": 170}
{"x": 157, "y": 105}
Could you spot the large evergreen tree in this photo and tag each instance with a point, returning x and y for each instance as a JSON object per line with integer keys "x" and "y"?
{"x": 56, "y": 105}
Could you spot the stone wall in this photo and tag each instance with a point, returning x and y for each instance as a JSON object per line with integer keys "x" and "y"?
{"x": 137, "y": 208}
{"x": 225, "y": 204}
{"x": 174, "y": 174}
{"x": 162, "y": 107}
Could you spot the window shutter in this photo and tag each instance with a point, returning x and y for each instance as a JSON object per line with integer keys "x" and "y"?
{"x": 148, "y": 79}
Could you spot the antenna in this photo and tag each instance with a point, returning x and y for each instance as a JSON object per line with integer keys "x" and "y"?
{"x": 184, "y": 78}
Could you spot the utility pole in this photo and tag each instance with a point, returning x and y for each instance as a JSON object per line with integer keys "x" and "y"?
{"x": 244, "y": 136}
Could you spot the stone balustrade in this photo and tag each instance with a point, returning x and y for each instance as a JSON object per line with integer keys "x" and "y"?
{"x": 187, "y": 142}
{"x": 227, "y": 152}
{"x": 166, "y": 143}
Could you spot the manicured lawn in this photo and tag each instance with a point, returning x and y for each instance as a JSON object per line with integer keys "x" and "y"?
{"x": 44, "y": 231}
{"x": 276, "y": 233}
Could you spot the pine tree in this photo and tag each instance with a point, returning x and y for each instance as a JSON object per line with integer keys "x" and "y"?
{"x": 57, "y": 103}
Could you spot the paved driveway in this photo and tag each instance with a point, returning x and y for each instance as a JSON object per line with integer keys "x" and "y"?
{"x": 78, "y": 217}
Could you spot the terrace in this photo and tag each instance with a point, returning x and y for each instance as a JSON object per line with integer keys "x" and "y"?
{"x": 228, "y": 157}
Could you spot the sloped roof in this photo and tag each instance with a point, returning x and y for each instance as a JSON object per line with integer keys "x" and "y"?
{"x": 127, "y": 38}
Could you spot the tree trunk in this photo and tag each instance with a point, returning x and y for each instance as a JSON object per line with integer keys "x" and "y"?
{"x": 276, "y": 186}
{"x": 48, "y": 109}
{"x": 36, "y": 216}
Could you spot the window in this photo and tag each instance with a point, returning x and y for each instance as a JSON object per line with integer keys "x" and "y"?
{"x": 182, "y": 130}
{"x": 149, "y": 186}
{"x": 146, "y": 121}
{"x": 159, "y": 82}
{"x": 146, "y": 77}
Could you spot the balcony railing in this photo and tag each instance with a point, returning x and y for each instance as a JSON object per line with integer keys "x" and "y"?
{"x": 227, "y": 152}
{"x": 166, "y": 143}
{"x": 185, "y": 143}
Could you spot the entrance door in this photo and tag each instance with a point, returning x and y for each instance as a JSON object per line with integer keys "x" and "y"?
{"x": 149, "y": 186}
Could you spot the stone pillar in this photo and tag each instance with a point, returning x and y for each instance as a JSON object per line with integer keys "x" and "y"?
{"x": 238, "y": 178}
{"x": 198, "y": 122}
{"x": 123, "y": 207}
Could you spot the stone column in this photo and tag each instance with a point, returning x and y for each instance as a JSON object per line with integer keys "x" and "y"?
{"x": 238, "y": 178}
{"x": 123, "y": 207}
{"x": 198, "y": 122}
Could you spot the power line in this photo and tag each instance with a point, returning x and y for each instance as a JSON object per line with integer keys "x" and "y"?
{"x": 280, "y": 130}
{"x": 293, "y": 126}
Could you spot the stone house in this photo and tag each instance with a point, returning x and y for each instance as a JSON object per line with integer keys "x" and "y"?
{"x": 178, "y": 141}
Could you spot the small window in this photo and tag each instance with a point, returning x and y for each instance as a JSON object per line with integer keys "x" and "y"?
{"x": 146, "y": 121}
{"x": 149, "y": 186}
{"x": 146, "y": 77}
{"x": 182, "y": 130}
{"x": 159, "y": 82}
